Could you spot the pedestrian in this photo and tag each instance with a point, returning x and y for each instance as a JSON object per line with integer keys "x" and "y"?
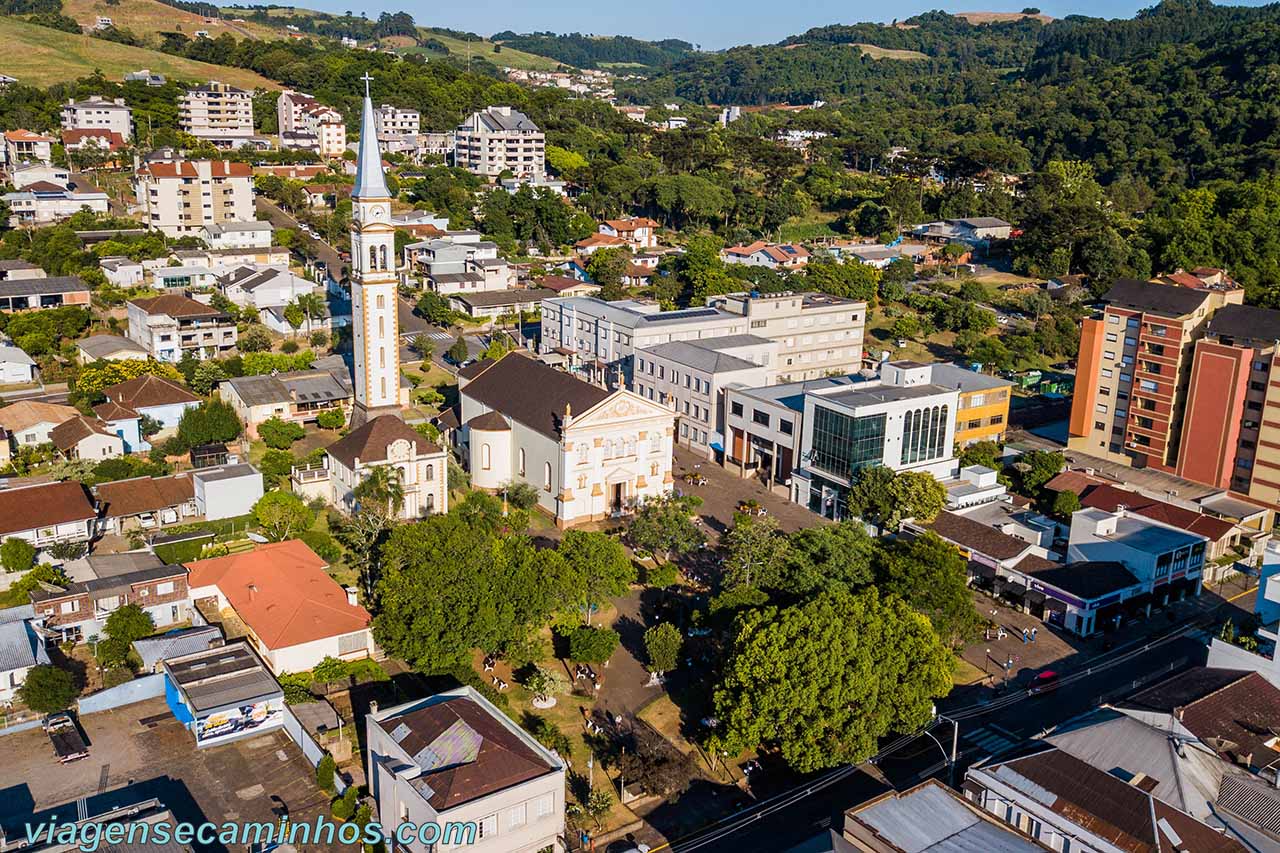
{"x": 1024, "y": 636}
{"x": 1033, "y": 635}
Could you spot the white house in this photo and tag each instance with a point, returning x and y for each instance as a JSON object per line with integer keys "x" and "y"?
{"x": 16, "y": 367}
{"x": 262, "y": 585}
{"x": 22, "y": 646}
{"x": 590, "y": 453}
{"x": 454, "y": 759}
{"x": 263, "y": 288}
{"x": 154, "y": 397}
{"x": 237, "y": 235}
{"x": 122, "y": 272}
{"x": 229, "y": 491}
{"x": 86, "y": 438}
{"x": 29, "y": 422}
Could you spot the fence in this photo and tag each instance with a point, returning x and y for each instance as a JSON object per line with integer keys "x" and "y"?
{"x": 18, "y": 721}
{"x": 146, "y": 687}
{"x": 311, "y": 750}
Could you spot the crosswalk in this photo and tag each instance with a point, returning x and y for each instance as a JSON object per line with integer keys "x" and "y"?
{"x": 408, "y": 337}
{"x": 992, "y": 739}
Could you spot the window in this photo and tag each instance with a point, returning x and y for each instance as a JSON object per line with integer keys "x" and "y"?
{"x": 1110, "y": 355}
{"x": 1099, "y": 425}
{"x": 684, "y": 430}
{"x": 352, "y": 643}
{"x": 760, "y": 417}
{"x": 843, "y": 444}
{"x": 997, "y": 419}
{"x": 431, "y": 502}
{"x": 546, "y": 804}
{"x": 784, "y": 426}
{"x": 546, "y": 476}
{"x": 1107, "y": 373}
{"x": 70, "y": 607}
{"x": 1111, "y": 337}
{"x": 520, "y": 462}
{"x": 487, "y": 827}
{"x": 431, "y": 472}
{"x": 517, "y": 816}
{"x": 1113, "y": 319}
{"x": 924, "y": 434}
{"x": 1100, "y": 408}
{"x": 1148, "y": 385}
{"x": 485, "y": 457}
{"x": 164, "y": 588}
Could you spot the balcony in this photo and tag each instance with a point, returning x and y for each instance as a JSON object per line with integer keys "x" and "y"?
{"x": 313, "y": 472}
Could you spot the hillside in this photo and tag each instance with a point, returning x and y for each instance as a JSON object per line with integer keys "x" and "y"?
{"x": 584, "y": 51}
{"x": 40, "y": 56}
{"x": 146, "y": 18}
{"x": 483, "y": 49}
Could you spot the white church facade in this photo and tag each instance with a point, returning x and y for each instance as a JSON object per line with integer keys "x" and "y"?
{"x": 590, "y": 453}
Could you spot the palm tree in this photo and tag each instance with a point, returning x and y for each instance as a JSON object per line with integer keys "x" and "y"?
{"x": 312, "y": 305}
{"x": 381, "y": 490}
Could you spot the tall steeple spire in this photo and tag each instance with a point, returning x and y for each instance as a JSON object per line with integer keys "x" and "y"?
{"x": 370, "y": 182}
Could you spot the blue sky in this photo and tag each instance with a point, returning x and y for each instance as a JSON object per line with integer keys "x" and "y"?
{"x": 712, "y": 23}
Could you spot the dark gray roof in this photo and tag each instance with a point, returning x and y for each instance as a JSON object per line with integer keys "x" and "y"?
{"x": 1157, "y": 298}
{"x": 222, "y": 677}
{"x": 495, "y": 298}
{"x": 42, "y": 286}
{"x": 226, "y": 472}
{"x": 698, "y": 356}
{"x": 1087, "y": 580}
{"x": 532, "y": 393}
{"x": 514, "y": 120}
{"x": 7, "y": 264}
{"x": 875, "y": 394}
{"x": 100, "y": 346}
{"x": 304, "y": 386}
{"x": 112, "y": 583}
{"x": 931, "y": 818}
{"x": 1246, "y": 321}
{"x": 175, "y": 644}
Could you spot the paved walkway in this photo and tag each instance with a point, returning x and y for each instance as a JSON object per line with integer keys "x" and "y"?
{"x": 724, "y": 489}
{"x": 625, "y": 689}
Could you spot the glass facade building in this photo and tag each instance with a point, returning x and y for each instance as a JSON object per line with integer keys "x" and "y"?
{"x": 924, "y": 434}
{"x": 843, "y": 445}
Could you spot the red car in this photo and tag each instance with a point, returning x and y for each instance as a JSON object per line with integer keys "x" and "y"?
{"x": 1044, "y": 682}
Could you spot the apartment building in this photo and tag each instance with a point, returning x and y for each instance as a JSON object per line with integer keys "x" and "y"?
{"x": 395, "y": 121}
{"x": 24, "y": 146}
{"x": 591, "y": 332}
{"x": 500, "y": 139}
{"x": 983, "y": 411}
{"x": 1134, "y": 367}
{"x": 450, "y": 267}
{"x": 817, "y": 334}
{"x": 307, "y": 124}
{"x": 42, "y": 203}
{"x": 453, "y": 759}
{"x": 217, "y": 113}
{"x": 1231, "y": 433}
{"x": 639, "y": 233}
{"x": 171, "y": 325}
{"x": 99, "y": 113}
{"x": 901, "y": 421}
{"x": 691, "y": 377}
{"x": 183, "y": 196}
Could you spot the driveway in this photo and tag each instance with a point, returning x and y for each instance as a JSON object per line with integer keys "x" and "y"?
{"x": 142, "y": 746}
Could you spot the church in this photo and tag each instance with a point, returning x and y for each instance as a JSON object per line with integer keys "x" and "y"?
{"x": 589, "y": 452}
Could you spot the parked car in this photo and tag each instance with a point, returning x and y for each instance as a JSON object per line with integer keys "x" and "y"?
{"x": 1044, "y": 682}
{"x": 68, "y": 744}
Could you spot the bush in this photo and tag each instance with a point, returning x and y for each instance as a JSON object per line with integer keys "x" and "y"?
{"x": 289, "y": 347}
{"x": 17, "y": 555}
{"x": 661, "y": 576}
{"x": 519, "y": 494}
{"x": 296, "y": 687}
{"x": 325, "y": 546}
{"x": 117, "y": 675}
{"x": 112, "y": 652}
{"x": 331, "y": 419}
{"x": 176, "y": 553}
{"x": 547, "y": 733}
{"x": 254, "y": 339}
{"x": 279, "y": 434}
{"x": 129, "y": 623}
{"x": 592, "y": 645}
{"x": 48, "y": 689}
{"x": 325, "y": 772}
{"x": 319, "y": 339}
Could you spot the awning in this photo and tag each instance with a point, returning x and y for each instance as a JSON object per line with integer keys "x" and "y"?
{"x": 1034, "y": 596}
{"x": 1055, "y": 605}
{"x": 717, "y": 447}
{"x": 1013, "y": 589}
{"x": 980, "y": 570}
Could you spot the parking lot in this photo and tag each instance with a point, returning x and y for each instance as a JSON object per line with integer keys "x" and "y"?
{"x": 144, "y": 747}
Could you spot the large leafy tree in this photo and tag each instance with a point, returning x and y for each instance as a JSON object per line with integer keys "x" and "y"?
{"x": 129, "y": 623}
{"x": 754, "y": 552}
{"x": 825, "y": 680}
{"x": 664, "y": 525}
{"x": 282, "y": 515}
{"x": 601, "y": 563}
{"x": 48, "y": 689}
{"x": 930, "y": 575}
{"x": 828, "y": 554}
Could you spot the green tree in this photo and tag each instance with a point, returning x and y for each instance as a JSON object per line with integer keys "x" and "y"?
{"x": 1038, "y": 467}
{"x": 207, "y": 374}
{"x": 424, "y": 346}
{"x": 601, "y": 562}
{"x": 128, "y": 623}
{"x": 279, "y": 434}
{"x": 254, "y": 339}
{"x": 917, "y": 495}
{"x": 754, "y": 552}
{"x": 381, "y": 490}
{"x": 325, "y": 771}
{"x": 40, "y": 573}
{"x": 663, "y": 526}
{"x": 828, "y": 554}
{"x": 662, "y": 646}
{"x": 17, "y": 555}
{"x": 592, "y": 645}
{"x": 825, "y": 680}
{"x": 1066, "y": 503}
{"x": 544, "y": 683}
{"x": 871, "y": 495}
{"x": 984, "y": 453}
{"x": 519, "y": 494}
{"x": 458, "y": 352}
{"x": 931, "y": 576}
{"x": 213, "y": 421}
{"x": 282, "y": 515}
{"x": 331, "y": 419}
{"x": 48, "y": 689}
{"x": 606, "y": 268}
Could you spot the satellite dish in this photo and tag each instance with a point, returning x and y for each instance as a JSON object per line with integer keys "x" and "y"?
{"x": 257, "y": 537}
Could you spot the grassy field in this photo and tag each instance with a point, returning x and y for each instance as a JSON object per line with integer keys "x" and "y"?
{"x": 875, "y": 52}
{"x": 146, "y": 18}
{"x": 507, "y": 58}
{"x": 40, "y": 56}
{"x": 816, "y": 223}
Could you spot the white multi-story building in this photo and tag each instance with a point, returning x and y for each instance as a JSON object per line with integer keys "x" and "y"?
{"x": 42, "y": 203}
{"x": 452, "y": 267}
{"x": 395, "y": 121}
{"x": 901, "y": 421}
{"x": 237, "y": 235}
{"x": 374, "y": 315}
{"x": 183, "y": 196}
{"x": 817, "y": 334}
{"x": 590, "y": 453}
{"x": 455, "y": 762}
{"x": 306, "y": 123}
{"x": 385, "y": 442}
{"x": 690, "y": 377}
{"x": 172, "y": 325}
{"x": 500, "y": 139}
{"x": 99, "y": 113}
{"x": 217, "y": 113}
{"x": 23, "y": 146}
{"x": 593, "y": 330}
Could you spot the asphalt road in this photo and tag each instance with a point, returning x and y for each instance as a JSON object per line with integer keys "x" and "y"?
{"x": 316, "y": 248}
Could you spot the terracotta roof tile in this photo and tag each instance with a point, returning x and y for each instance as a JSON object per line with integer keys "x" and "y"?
{"x": 369, "y": 443}
{"x": 40, "y": 506}
{"x": 144, "y": 494}
{"x": 147, "y": 391}
{"x": 977, "y": 536}
{"x": 1108, "y": 497}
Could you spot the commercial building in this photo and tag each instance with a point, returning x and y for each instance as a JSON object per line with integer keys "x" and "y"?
{"x": 500, "y": 139}
{"x": 901, "y": 421}
{"x": 983, "y": 408}
{"x": 817, "y": 334}
{"x": 764, "y": 425}
{"x": 218, "y": 113}
{"x": 690, "y": 377}
{"x": 171, "y": 325}
{"x": 454, "y": 758}
{"x": 929, "y": 818}
{"x": 223, "y": 694}
{"x": 590, "y": 453}
{"x": 99, "y": 113}
{"x": 1134, "y": 373}
{"x": 181, "y": 197}
{"x": 295, "y": 614}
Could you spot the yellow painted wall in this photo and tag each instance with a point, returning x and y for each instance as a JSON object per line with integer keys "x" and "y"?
{"x": 988, "y": 431}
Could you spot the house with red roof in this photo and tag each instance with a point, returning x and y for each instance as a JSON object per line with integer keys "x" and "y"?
{"x": 294, "y": 615}
{"x": 639, "y": 232}
{"x": 775, "y": 256}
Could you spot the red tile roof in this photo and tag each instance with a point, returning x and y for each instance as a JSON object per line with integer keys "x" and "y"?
{"x": 1073, "y": 481}
{"x": 175, "y": 305}
{"x": 44, "y": 506}
{"x": 1244, "y": 713}
{"x": 1108, "y": 497}
{"x": 146, "y": 391}
{"x": 144, "y": 494}
{"x": 21, "y": 135}
{"x": 187, "y": 169}
{"x": 282, "y": 592}
{"x": 75, "y": 137}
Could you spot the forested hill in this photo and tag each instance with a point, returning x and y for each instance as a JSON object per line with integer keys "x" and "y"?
{"x": 584, "y": 51}
{"x": 940, "y": 35}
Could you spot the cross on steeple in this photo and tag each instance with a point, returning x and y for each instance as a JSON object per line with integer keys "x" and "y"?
{"x": 367, "y": 80}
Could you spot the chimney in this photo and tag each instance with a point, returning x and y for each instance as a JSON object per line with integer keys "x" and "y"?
{"x": 253, "y": 591}
{"x": 373, "y": 707}
{"x": 352, "y": 596}
{"x": 568, "y": 414}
